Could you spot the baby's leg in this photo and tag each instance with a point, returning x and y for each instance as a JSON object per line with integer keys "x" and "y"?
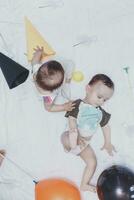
{"x": 3, "y": 152}
{"x": 73, "y": 135}
{"x": 90, "y": 159}
{"x": 65, "y": 141}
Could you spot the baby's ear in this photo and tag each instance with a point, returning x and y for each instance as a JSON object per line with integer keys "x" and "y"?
{"x": 88, "y": 88}
{"x": 34, "y": 77}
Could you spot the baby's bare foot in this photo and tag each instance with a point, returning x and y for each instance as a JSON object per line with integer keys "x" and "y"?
{"x": 87, "y": 187}
{"x": 2, "y": 152}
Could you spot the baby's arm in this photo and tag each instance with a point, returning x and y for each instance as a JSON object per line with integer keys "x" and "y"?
{"x": 38, "y": 55}
{"x": 69, "y": 106}
{"x": 73, "y": 134}
{"x": 107, "y": 140}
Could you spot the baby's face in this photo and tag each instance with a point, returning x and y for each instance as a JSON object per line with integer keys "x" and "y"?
{"x": 98, "y": 93}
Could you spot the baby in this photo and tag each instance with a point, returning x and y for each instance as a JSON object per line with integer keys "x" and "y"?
{"x": 48, "y": 78}
{"x": 2, "y": 155}
{"x": 83, "y": 122}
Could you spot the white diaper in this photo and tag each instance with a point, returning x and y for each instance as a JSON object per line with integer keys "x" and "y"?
{"x": 77, "y": 150}
{"x": 85, "y": 133}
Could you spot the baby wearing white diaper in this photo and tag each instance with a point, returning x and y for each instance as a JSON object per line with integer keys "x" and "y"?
{"x": 83, "y": 121}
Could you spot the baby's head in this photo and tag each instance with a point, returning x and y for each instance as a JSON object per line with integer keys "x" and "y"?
{"x": 50, "y": 76}
{"x": 99, "y": 89}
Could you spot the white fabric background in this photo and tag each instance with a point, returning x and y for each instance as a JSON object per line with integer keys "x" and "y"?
{"x": 31, "y": 135}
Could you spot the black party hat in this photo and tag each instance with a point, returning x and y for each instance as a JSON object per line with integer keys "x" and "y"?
{"x": 14, "y": 73}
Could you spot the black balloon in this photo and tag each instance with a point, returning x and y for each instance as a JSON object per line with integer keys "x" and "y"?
{"x": 116, "y": 183}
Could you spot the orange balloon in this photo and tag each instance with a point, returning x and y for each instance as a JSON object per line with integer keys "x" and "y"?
{"x": 56, "y": 189}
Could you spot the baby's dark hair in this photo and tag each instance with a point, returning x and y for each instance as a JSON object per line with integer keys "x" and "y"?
{"x": 47, "y": 74}
{"x": 103, "y": 78}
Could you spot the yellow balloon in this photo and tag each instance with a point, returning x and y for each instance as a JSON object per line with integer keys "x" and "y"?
{"x": 78, "y": 76}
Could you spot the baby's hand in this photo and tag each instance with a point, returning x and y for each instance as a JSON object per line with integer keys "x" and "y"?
{"x": 37, "y": 55}
{"x": 109, "y": 148}
{"x": 69, "y": 106}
